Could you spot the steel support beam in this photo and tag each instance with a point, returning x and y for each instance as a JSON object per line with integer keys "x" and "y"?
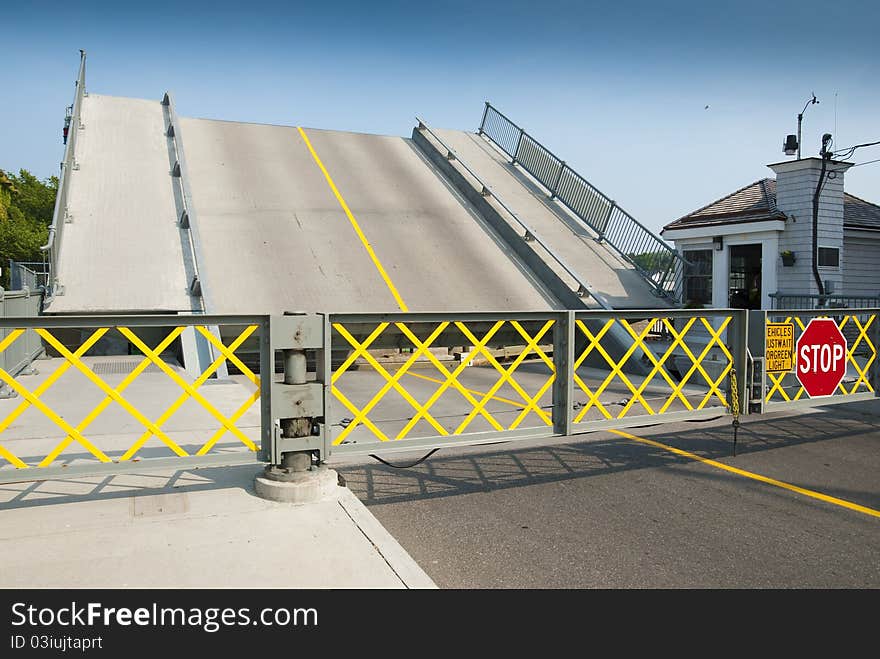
{"x": 198, "y": 353}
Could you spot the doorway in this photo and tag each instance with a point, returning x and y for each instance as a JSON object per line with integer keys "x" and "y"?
{"x": 744, "y": 281}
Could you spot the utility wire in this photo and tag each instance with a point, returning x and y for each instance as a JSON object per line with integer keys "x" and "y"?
{"x": 851, "y": 150}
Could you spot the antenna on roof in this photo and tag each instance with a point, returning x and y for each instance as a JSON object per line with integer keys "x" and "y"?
{"x": 792, "y": 143}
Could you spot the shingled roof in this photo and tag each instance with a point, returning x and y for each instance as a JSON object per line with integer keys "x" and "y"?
{"x": 860, "y": 214}
{"x": 756, "y": 202}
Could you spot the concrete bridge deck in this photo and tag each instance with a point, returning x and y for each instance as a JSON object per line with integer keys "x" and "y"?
{"x": 273, "y": 233}
{"x": 121, "y": 250}
{"x": 275, "y": 237}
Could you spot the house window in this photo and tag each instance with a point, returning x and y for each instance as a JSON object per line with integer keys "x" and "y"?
{"x": 829, "y": 257}
{"x": 698, "y": 276}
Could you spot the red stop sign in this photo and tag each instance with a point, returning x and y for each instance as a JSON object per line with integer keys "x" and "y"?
{"x": 820, "y": 357}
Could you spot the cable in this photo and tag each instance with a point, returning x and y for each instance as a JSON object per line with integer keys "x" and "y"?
{"x": 406, "y": 466}
{"x": 867, "y": 162}
{"x": 851, "y": 150}
{"x": 652, "y": 425}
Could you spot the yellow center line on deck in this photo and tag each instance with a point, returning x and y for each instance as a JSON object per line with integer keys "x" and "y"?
{"x": 354, "y": 224}
{"x": 748, "y": 474}
{"x": 713, "y": 463}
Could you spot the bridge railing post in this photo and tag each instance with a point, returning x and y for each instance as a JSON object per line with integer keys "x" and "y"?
{"x": 563, "y": 384}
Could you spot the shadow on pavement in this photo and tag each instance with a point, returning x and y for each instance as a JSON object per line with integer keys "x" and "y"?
{"x": 509, "y": 468}
{"x": 116, "y": 486}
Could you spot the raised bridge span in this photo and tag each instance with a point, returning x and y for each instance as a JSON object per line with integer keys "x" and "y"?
{"x": 161, "y": 213}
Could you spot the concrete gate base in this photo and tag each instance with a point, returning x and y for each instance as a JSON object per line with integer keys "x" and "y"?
{"x": 319, "y": 484}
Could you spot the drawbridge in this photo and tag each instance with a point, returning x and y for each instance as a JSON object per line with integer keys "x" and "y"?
{"x": 169, "y": 214}
{"x": 444, "y": 288}
{"x": 165, "y": 214}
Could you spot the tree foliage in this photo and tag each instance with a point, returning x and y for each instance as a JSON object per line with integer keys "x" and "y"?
{"x": 652, "y": 262}
{"x": 26, "y": 206}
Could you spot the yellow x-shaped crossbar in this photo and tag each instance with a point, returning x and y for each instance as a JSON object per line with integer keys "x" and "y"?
{"x": 777, "y": 378}
{"x": 33, "y": 398}
{"x": 616, "y": 368}
{"x": 100, "y": 407}
{"x": 391, "y": 381}
{"x": 698, "y": 364}
{"x": 226, "y": 353}
{"x": 592, "y": 398}
{"x": 375, "y": 334}
{"x": 226, "y": 423}
{"x": 451, "y": 379}
{"x": 229, "y": 353}
{"x": 531, "y": 402}
{"x": 111, "y": 393}
{"x": 659, "y": 364}
{"x": 863, "y": 336}
{"x": 73, "y": 359}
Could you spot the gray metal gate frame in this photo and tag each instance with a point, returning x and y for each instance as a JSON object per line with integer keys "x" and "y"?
{"x": 564, "y": 340}
{"x": 806, "y": 402}
{"x": 151, "y": 464}
{"x": 296, "y": 335}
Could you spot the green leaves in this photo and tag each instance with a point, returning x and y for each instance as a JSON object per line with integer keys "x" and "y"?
{"x": 26, "y": 206}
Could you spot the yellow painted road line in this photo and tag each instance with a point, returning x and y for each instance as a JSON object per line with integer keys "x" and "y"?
{"x": 719, "y": 465}
{"x": 753, "y": 476}
{"x": 354, "y": 224}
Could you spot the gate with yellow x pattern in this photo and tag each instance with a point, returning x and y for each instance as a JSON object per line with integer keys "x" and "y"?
{"x": 378, "y": 382}
{"x": 429, "y": 380}
{"x": 860, "y": 326}
{"x": 79, "y": 451}
{"x": 685, "y": 375}
{"x": 402, "y": 384}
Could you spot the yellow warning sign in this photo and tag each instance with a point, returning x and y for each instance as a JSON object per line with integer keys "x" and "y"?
{"x": 779, "y": 348}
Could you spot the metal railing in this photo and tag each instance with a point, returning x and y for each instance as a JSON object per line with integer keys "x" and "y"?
{"x": 380, "y": 382}
{"x": 830, "y": 301}
{"x": 18, "y": 356}
{"x": 455, "y": 382}
{"x": 529, "y": 234}
{"x": 115, "y": 424}
{"x": 30, "y": 275}
{"x": 660, "y": 328}
{"x": 59, "y": 215}
{"x": 657, "y": 263}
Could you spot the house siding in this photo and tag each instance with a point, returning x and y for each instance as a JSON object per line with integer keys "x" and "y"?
{"x": 861, "y": 264}
{"x": 794, "y": 197}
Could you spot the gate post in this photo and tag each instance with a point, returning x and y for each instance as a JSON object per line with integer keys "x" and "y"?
{"x": 875, "y": 366}
{"x": 563, "y": 384}
{"x": 738, "y": 343}
{"x": 299, "y": 406}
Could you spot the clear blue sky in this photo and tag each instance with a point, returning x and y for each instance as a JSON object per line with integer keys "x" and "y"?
{"x": 618, "y": 89}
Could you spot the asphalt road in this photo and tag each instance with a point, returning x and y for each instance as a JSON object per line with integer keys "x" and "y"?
{"x": 606, "y": 511}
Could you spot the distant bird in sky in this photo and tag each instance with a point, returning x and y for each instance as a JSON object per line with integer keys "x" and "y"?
{"x": 706, "y": 108}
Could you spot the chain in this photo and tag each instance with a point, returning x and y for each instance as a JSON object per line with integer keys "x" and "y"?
{"x": 734, "y": 405}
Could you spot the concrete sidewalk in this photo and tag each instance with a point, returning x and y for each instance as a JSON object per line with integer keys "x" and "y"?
{"x": 191, "y": 529}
